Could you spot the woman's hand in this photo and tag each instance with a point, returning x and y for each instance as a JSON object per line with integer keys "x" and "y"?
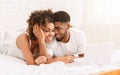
{"x": 40, "y": 60}
{"x": 38, "y": 32}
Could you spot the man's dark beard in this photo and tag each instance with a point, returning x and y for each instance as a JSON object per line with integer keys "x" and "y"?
{"x": 59, "y": 40}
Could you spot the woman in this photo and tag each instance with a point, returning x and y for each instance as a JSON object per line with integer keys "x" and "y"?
{"x": 40, "y": 31}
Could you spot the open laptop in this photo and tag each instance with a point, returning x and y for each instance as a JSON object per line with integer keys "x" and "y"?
{"x": 99, "y": 54}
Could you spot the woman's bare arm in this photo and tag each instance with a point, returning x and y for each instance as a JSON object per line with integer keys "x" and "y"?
{"x": 23, "y": 44}
{"x": 41, "y": 40}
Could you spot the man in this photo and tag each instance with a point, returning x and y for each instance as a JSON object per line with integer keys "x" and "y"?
{"x": 69, "y": 41}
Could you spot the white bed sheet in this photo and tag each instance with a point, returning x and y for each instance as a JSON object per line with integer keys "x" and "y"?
{"x": 13, "y": 66}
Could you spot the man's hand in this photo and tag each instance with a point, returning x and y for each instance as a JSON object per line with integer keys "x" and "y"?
{"x": 67, "y": 59}
{"x": 40, "y": 60}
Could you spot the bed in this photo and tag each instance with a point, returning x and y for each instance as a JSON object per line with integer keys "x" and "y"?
{"x": 14, "y": 66}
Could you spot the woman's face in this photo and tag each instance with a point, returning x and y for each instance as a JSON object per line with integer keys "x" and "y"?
{"x": 49, "y": 32}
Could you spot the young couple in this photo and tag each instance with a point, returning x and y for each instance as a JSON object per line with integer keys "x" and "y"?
{"x": 49, "y": 38}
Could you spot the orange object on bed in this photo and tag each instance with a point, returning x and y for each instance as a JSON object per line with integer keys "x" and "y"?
{"x": 112, "y": 72}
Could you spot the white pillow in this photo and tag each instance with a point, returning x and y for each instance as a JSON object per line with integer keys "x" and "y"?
{"x": 2, "y": 34}
{"x": 11, "y": 35}
{"x": 4, "y": 46}
{"x": 8, "y": 47}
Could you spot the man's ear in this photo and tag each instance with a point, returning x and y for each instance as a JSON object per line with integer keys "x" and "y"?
{"x": 68, "y": 25}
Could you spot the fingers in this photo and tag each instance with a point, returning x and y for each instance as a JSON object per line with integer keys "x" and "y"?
{"x": 35, "y": 29}
{"x": 68, "y": 59}
{"x": 71, "y": 61}
{"x": 38, "y": 32}
{"x": 40, "y": 60}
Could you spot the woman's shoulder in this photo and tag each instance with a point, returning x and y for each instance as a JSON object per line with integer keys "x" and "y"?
{"x": 23, "y": 35}
{"x": 21, "y": 39}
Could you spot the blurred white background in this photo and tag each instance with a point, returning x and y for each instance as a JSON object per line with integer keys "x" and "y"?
{"x": 99, "y": 19}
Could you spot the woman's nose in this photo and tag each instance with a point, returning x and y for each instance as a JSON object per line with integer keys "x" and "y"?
{"x": 52, "y": 33}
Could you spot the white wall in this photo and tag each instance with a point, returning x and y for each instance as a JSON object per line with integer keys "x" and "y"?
{"x": 116, "y": 34}
{"x": 103, "y": 33}
{"x": 15, "y": 13}
{"x": 102, "y": 12}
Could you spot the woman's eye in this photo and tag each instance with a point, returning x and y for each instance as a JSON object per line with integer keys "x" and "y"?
{"x": 46, "y": 30}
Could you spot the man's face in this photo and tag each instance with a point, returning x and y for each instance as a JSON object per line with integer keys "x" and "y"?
{"x": 60, "y": 31}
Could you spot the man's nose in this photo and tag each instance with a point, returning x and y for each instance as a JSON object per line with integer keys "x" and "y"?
{"x": 56, "y": 31}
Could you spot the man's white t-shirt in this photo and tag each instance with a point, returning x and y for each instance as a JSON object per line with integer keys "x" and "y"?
{"x": 76, "y": 45}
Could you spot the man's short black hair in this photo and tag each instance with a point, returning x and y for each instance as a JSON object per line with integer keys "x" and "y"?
{"x": 61, "y": 16}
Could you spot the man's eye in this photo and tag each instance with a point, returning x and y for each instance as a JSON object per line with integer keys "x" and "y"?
{"x": 58, "y": 28}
